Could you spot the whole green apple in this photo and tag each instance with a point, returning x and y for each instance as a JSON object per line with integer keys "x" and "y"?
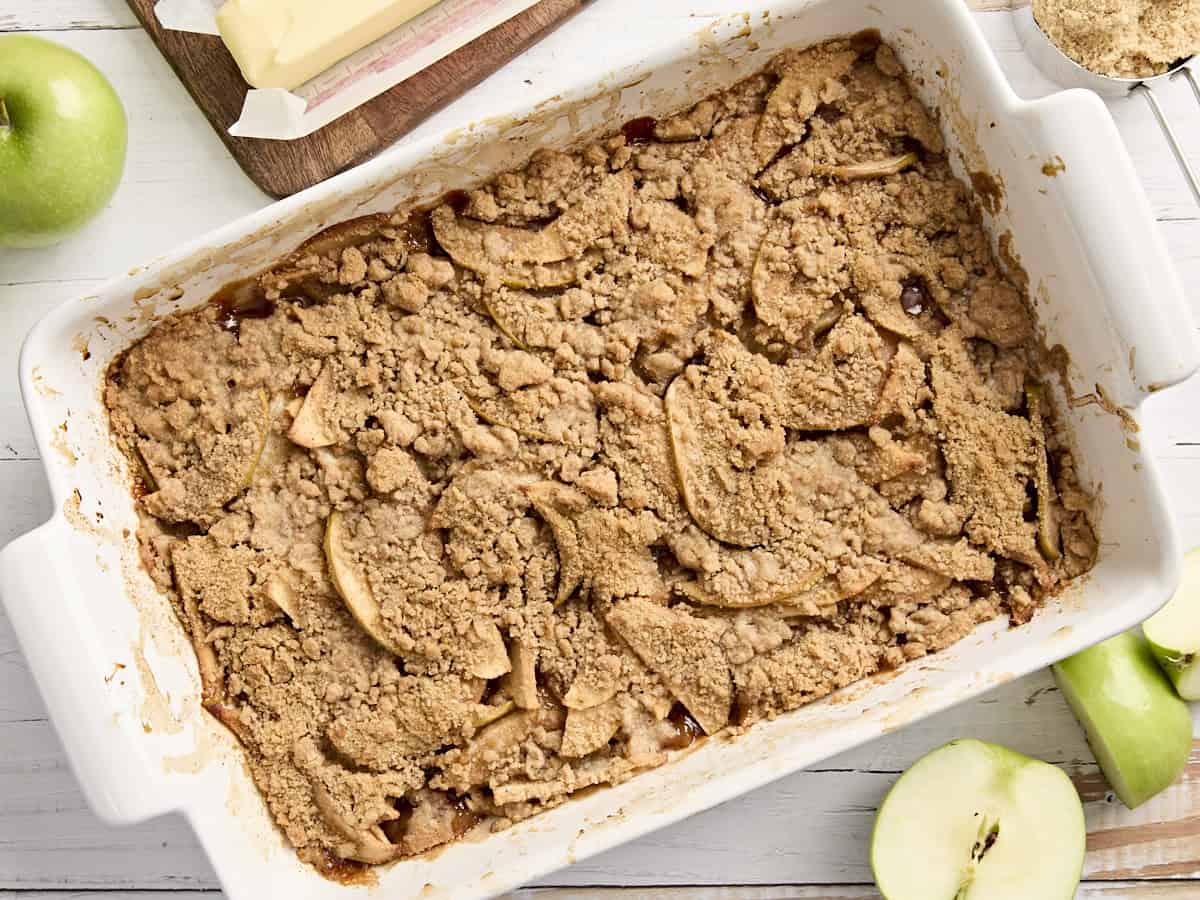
{"x": 62, "y": 141}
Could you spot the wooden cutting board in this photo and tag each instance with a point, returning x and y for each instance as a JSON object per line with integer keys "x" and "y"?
{"x": 282, "y": 168}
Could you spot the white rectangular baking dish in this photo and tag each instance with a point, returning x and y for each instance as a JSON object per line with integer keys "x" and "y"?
{"x": 136, "y": 736}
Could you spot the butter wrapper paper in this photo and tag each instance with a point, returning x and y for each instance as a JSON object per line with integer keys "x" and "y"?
{"x": 277, "y": 114}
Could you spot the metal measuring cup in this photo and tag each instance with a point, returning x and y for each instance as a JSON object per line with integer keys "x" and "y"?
{"x": 1060, "y": 68}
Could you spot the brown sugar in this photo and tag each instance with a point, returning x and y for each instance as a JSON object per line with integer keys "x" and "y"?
{"x": 479, "y": 507}
{"x": 1122, "y": 38}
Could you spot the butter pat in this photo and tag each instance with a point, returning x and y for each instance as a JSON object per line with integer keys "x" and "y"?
{"x": 284, "y": 43}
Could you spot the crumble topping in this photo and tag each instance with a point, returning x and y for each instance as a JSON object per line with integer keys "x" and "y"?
{"x": 469, "y": 509}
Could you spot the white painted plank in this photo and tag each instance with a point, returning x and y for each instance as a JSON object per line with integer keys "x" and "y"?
{"x": 1128, "y": 890}
{"x": 55, "y": 15}
{"x": 1124, "y": 890}
{"x": 26, "y": 502}
{"x": 48, "y": 837}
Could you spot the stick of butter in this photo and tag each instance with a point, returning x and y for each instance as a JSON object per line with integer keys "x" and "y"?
{"x": 284, "y": 43}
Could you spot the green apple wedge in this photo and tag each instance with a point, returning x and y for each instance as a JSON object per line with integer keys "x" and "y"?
{"x": 62, "y": 141}
{"x": 1174, "y": 632}
{"x": 1138, "y": 728}
{"x": 977, "y": 821}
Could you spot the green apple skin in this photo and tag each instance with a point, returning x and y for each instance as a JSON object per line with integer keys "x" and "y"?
{"x": 1139, "y": 729}
{"x": 63, "y": 149}
{"x": 1174, "y": 632}
{"x": 937, "y": 818}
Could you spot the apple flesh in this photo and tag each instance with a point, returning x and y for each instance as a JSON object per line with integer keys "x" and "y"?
{"x": 977, "y": 821}
{"x": 62, "y": 141}
{"x": 1138, "y": 728}
{"x": 1174, "y": 632}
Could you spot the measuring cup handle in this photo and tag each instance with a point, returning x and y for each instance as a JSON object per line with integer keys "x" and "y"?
{"x": 1169, "y": 133}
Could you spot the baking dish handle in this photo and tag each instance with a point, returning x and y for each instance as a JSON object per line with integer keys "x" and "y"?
{"x": 1101, "y": 192}
{"x": 44, "y": 602}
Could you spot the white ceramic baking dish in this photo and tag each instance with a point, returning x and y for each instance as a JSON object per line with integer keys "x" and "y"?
{"x": 137, "y": 738}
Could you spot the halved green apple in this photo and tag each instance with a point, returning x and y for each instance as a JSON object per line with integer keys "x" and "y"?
{"x": 1140, "y": 731}
{"x": 977, "y": 821}
{"x": 1174, "y": 632}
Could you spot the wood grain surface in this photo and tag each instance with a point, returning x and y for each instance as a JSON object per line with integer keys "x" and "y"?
{"x": 282, "y": 168}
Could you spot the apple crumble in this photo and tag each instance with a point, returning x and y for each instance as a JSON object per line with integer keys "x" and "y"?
{"x": 471, "y": 508}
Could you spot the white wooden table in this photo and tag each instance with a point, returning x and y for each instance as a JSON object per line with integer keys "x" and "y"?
{"x": 805, "y": 836}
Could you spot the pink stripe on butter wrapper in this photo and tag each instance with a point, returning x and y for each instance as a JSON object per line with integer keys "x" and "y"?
{"x": 422, "y": 38}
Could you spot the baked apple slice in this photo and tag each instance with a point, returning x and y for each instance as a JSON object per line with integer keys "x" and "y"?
{"x": 554, "y": 256}
{"x": 198, "y": 492}
{"x": 670, "y": 237}
{"x": 1047, "y": 525}
{"x": 606, "y": 551}
{"x": 352, "y": 585}
{"x": 559, "y": 411}
{"x": 312, "y": 428}
{"x": 728, "y": 445}
{"x": 840, "y": 386}
{"x": 487, "y": 714}
{"x": 796, "y": 97}
{"x": 684, "y": 651}
{"x": 486, "y": 655}
{"x": 522, "y": 679}
{"x": 876, "y": 168}
{"x": 799, "y": 273}
{"x": 589, "y": 730}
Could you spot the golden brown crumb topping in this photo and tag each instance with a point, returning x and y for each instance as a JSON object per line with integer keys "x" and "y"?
{"x": 468, "y": 510}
